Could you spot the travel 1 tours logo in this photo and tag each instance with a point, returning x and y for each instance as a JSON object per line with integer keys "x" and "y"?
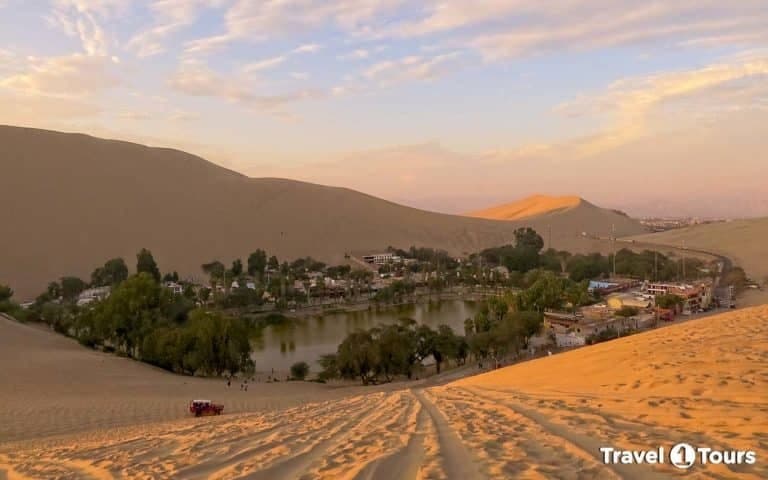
{"x": 682, "y": 456}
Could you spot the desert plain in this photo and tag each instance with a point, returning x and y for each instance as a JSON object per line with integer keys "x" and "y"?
{"x": 71, "y": 413}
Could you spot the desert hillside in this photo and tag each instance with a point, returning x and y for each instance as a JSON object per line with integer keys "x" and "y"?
{"x": 566, "y": 215}
{"x": 698, "y": 382}
{"x": 528, "y": 207}
{"x": 73, "y": 201}
{"x": 744, "y": 241}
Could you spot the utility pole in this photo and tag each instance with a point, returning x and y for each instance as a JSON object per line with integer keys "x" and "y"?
{"x": 613, "y": 242}
{"x": 684, "y": 260}
{"x": 549, "y": 240}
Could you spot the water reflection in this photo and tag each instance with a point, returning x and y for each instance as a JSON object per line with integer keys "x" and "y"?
{"x": 280, "y": 346}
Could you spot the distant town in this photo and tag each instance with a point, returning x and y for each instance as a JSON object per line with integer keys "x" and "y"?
{"x": 662, "y": 224}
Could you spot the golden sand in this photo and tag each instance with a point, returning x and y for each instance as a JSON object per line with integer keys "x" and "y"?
{"x": 528, "y": 207}
{"x": 704, "y": 382}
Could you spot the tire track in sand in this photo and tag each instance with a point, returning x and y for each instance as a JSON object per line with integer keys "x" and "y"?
{"x": 457, "y": 461}
{"x": 406, "y": 462}
{"x": 589, "y": 445}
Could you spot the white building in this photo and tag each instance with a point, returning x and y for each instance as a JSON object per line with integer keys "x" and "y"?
{"x": 93, "y": 294}
{"x": 570, "y": 339}
{"x": 381, "y": 258}
{"x": 175, "y": 287}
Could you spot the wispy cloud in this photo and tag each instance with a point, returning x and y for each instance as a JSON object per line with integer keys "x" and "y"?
{"x": 413, "y": 67}
{"x": 307, "y": 48}
{"x": 195, "y": 78}
{"x": 358, "y": 54}
{"x": 82, "y": 18}
{"x": 170, "y": 16}
{"x": 249, "y": 20}
{"x": 66, "y": 76}
{"x": 264, "y": 64}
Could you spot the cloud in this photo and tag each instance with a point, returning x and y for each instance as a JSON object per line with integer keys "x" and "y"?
{"x": 300, "y": 75}
{"x": 66, "y": 76}
{"x": 673, "y": 23}
{"x": 42, "y": 112}
{"x": 307, "y": 48}
{"x": 730, "y": 85}
{"x": 195, "y": 78}
{"x": 82, "y": 18}
{"x": 359, "y": 54}
{"x": 183, "y": 116}
{"x": 413, "y": 67}
{"x": 264, "y": 64}
{"x": 170, "y": 16}
{"x": 255, "y": 21}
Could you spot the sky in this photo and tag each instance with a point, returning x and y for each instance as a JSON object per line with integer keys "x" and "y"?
{"x": 657, "y": 108}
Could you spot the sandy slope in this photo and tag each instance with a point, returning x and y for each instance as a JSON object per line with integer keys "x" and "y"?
{"x": 704, "y": 382}
{"x": 74, "y": 201}
{"x": 54, "y": 386}
{"x": 744, "y": 241}
{"x": 527, "y": 207}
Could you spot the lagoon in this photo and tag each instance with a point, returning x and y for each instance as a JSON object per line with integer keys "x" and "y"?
{"x": 307, "y": 339}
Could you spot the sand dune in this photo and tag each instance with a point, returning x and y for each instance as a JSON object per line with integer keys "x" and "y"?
{"x": 76, "y": 201}
{"x": 563, "y": 214}
{"x": 528, "y": 207}
{"x": 744, "y": 241}
{"x": 702, "y": 382}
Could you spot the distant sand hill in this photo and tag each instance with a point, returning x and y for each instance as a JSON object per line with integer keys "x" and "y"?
{"x": 528, "y": 207}
{"x": 72, "y": 201}
{"x": 698, "y": 382}
{"x": 744, "y": 241}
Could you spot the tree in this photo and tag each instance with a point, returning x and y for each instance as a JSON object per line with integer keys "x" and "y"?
{"x": 71, "y": 287}
{"x": 736, "y": 277}
{"x": 528, "y": 238}
{"x": 171, "y": 277}
{"x": 330, "y": 367}
{"x": 216, "y": 272}
{"x": 145, "y": 263}
{"x": 214, "y": 269}
{"x": 627, "y": 311}
{"x": 299, "y": 370}
{"x": 577, "y": 294}
{"x": 5, "y": 293}
{"x": 237, "y": 268}
{"x": 257, "y": 262}
{"x": 668, "y": 301}
{"x": 357, "y": 357}
{"x": 546, "y": 293}
{"x": 395, "y": 349}
{"x": 273, "y": 263}
{"x": 113, "y": 272}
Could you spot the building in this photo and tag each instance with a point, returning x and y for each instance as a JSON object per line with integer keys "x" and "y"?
{"x": 92, "y": 295}
{"x": 570, "y": 339}
{"x": 617, "y": 301}
{"x": 604, "y": 287}
{"x": 381, "y": 258}
{"x": 696, "y": 297}
{"x": 175, "y": 287}
{"x": 501, "y": 272}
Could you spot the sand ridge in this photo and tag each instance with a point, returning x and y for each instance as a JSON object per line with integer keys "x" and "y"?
{"x": 704, "y": 382}
{"x": 528, "y": 207}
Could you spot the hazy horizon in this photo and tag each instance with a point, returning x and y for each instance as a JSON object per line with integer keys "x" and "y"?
{"x": 654, "y": 109}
